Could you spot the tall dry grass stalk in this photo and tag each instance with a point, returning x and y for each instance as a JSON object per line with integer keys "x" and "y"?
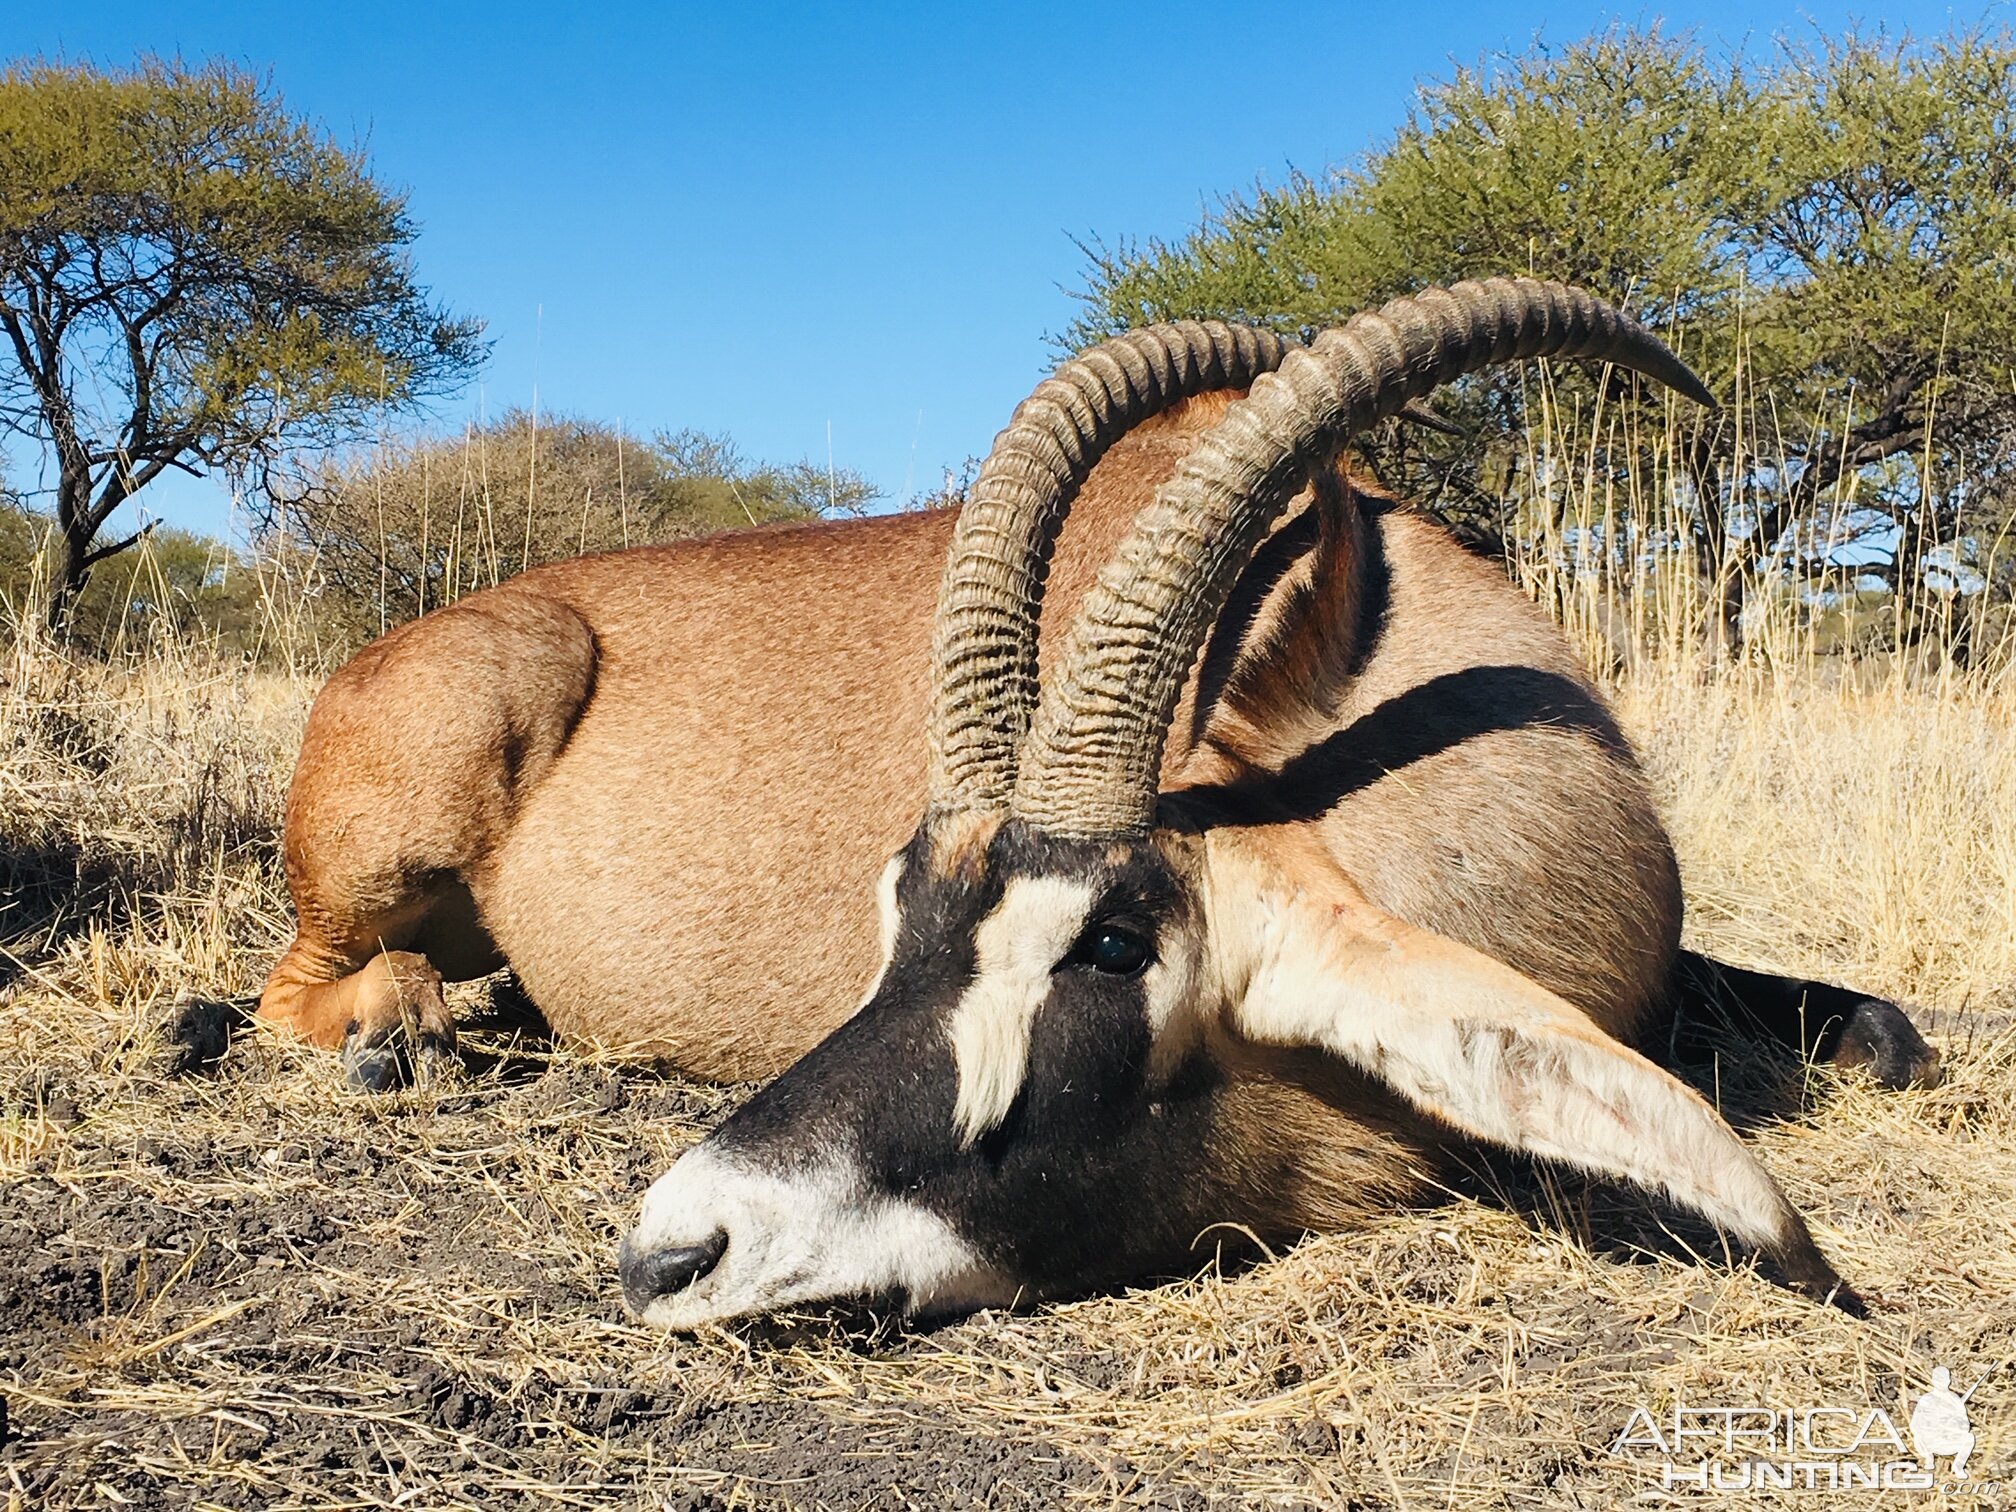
{"x": 1810, "y": 774}
{"x": 1607, "y": 528}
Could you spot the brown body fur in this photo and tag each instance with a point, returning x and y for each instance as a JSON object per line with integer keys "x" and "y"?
{"x": 660, "y": 784}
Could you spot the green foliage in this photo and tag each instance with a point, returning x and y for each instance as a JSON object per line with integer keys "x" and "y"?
{"x": 191, "y": 277}
{"x": 175, "y": 586}
{"x": 1591, "y": 165}
{"x": 1827, "y": 233}
{"x": 414, "y": 524}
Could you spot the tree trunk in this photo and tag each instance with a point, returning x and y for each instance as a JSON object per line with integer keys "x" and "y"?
{"x": 1732, "y": 593}
{"x": 70, "y": 557}
{"x": 1718, "y": 561}
{"x": 1912, "y": 611}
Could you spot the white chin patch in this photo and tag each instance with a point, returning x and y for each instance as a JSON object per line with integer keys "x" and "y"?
{"x": 810, "y": 1235}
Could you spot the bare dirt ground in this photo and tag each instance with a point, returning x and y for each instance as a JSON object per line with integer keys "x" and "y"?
{"x": 256, "y": 1288}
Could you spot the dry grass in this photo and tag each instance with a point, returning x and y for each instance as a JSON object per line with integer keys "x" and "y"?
{"x": 262, "y": 1289}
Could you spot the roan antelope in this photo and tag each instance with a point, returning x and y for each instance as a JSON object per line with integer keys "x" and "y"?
{"x": 1307, "y": 850}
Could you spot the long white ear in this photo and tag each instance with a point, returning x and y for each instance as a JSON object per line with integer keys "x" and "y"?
{"x": 1475, "y": 1044}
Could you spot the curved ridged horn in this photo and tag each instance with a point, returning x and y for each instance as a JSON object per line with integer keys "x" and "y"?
{"x": 1092, "y": 764}
{"x": 983, "y": 640}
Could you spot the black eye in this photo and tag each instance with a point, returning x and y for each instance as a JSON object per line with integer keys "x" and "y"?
{"x": 1117, "y": 951}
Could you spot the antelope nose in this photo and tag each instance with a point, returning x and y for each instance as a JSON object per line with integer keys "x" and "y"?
{"x": 649, "y": 1274}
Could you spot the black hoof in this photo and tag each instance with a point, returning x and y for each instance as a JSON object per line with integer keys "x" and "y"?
{"x": 1808, "y": 1272}
{"x": 388, "y": 1060}
{"x": 1844, "y": 1298}
{"x": 199, "y": 1031}
{"x": 1879, "y": 1039}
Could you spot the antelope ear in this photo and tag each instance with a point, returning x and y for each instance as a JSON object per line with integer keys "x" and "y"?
{"x": 1470, "y": 1041}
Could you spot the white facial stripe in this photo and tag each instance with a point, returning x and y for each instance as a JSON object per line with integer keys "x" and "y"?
{"x": 1016, "y": 948}
{"x": 812, "y": 1234}
{"x": 889, "y": 920}
{"x": 1172, "y": 986}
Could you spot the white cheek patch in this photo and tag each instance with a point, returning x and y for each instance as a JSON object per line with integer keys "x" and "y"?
{"x": 810, "y": 1234}
{"x": 1016, "y": 948}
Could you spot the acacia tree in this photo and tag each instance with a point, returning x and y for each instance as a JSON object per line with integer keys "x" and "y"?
{"x": 409, "y": 525}
{"x": 1826, "y": 232}
{"x": 192, "y": 278}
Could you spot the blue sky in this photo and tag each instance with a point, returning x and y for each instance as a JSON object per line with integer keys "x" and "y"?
{"x": 769, "y": 220}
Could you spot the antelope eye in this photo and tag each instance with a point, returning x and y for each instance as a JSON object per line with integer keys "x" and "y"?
{"x": 1115, "y": 951}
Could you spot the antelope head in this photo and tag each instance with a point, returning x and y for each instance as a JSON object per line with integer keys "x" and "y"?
{"x": 1105, "y": 1028}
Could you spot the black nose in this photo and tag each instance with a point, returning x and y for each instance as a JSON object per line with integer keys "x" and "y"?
{"x": 650, "y": 1274}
